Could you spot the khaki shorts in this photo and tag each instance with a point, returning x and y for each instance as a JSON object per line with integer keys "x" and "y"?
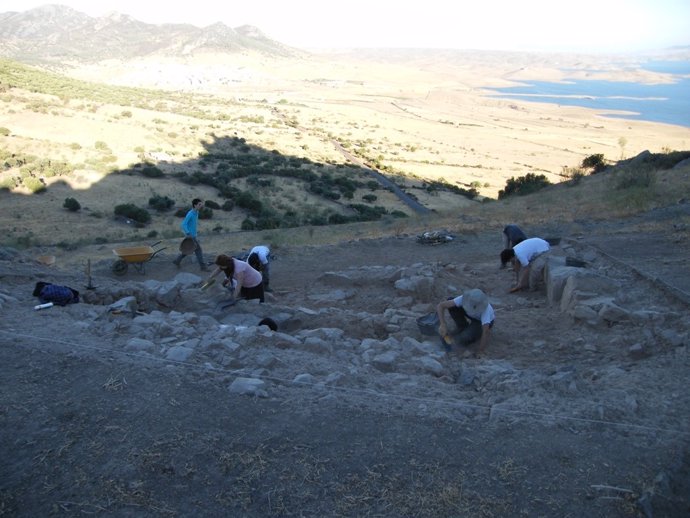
{"x": 536, "y": 270}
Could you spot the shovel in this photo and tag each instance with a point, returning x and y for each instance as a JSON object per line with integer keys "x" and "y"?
{"x": 225, "y": 304}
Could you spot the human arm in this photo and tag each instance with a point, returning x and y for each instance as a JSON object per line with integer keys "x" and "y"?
{"x": 522, "y": 277}
{"x": 239, "y": 282}
{"x": 484, "y": 340}
{"x": 441, "y": 312}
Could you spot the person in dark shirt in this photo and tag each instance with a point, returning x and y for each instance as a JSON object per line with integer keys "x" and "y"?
{"x": 512, "y": 235}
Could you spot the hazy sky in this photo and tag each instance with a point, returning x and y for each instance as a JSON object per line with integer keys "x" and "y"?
{"x": 577, "y": 25}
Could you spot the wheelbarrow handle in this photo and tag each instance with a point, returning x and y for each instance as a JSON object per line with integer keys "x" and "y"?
{"x": 156, "y": 243}
{"x": 154, "y": 253}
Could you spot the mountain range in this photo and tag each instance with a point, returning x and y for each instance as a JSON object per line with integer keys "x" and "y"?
{"x": 59, "y": 34}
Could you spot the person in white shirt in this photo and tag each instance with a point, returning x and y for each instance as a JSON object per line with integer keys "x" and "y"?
{"x": 528, "y": 259}
{"x": 473, "y": 316}
{"x": 259, "y": 258}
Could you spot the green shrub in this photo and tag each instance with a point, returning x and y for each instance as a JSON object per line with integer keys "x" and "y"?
{"x": 371, "y": 198}
{"x": 160, "y": 203}
{"x": 594, "y": 162}
{"x": 248, "y": 224}
{"x": 212, "y": 205}
{"x": 34, "y": 185}
{"x": 133, "y": 212}
{"x": 205, "y": 213}
{"x": 102, "y": 146}
{"x": 524, "y": 185}
{"x": 228, "y": 205}
{"x": 4, "y": 131}
{"x": 151, "y": 171}
{"x": 71, "y": 205}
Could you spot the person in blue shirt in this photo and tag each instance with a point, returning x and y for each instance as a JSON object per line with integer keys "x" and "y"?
{"x": 189, "y": 227}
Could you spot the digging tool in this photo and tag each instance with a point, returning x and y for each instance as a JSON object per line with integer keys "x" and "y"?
{"x": 90, "y": 285}
{"x": 225, "y": 304}
{"x": 207, "y": 284}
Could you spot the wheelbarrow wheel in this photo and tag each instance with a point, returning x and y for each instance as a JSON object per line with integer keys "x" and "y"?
{"x": 120, "y": 267}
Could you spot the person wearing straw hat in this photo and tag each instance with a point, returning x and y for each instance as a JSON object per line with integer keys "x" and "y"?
{"x": 472, "y": 314}
{"x": 189, "y": 227}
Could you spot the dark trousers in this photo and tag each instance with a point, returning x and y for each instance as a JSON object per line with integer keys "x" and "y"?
{"x": 470, "y": 329}
{"x": 199, "y": 256}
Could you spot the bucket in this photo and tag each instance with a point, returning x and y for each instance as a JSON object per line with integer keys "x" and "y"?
{"x": 428, "y": 324}
{"x": 187, "y": 246}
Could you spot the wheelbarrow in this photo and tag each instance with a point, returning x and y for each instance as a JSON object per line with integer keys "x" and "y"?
{"x": 137, "y": 256}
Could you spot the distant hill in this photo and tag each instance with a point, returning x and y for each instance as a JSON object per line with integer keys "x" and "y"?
{"x": 58, "y": 34}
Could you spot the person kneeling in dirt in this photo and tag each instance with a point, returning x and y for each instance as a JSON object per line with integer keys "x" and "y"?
{"x": 243, "y": 280}
{"x": 512, "y": 235}
{"x": 58, "y": 295}
{"x": 473, "y": 316}
{"x": 528, "y": 259}
{"x": 259, "y": 258}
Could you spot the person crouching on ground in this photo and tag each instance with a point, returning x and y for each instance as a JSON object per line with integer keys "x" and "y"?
{"x": 243, "y": 280}
{"x": 512, "y": 235}
{"x": 473, "y": 316}
{"x": 259, "y": 258}
{"x": 528, "y": 259}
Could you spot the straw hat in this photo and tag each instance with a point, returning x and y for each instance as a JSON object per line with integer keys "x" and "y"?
{"x": 474, "y": 302}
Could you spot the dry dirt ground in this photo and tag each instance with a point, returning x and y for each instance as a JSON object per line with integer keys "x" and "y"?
{"x": 88, "y": 428}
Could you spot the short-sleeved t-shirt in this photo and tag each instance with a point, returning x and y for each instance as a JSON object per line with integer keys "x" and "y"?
{"x": 486, "y": 317}
{"x": 252, "y": 278}
{"x": 262, "y": 251}
{"x": 529, "y": 249}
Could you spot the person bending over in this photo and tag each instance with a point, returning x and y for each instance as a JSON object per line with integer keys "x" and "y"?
{"x": 472, "y": 314}
{"x": 243, "y": 280}
{"x": 528, "y": 259}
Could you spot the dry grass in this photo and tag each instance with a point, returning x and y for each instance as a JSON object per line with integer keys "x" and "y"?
{"x": 462, "y": 137}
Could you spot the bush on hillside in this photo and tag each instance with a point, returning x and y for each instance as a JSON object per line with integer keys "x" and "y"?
{"x": 205, "y": 213}
{"x": 151, "y": 171}
{"x": 160, "y": 203}
{"x": 71, "y": 205}
{"x": 594, "y": 162}
{"x": 131, "y": 211}
{"x": 524, "y": 185}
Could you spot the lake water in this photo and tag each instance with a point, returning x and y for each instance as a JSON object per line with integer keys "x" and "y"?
{"x": 667, "y": 103}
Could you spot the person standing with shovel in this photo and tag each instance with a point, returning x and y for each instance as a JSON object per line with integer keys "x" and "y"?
{"x": 189, "y": 227}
